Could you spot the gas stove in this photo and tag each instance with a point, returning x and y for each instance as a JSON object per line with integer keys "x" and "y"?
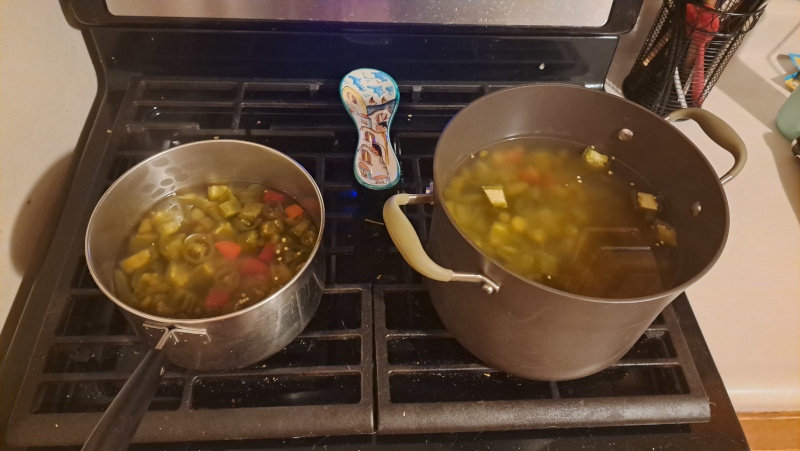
{"x": 375, "y": 368}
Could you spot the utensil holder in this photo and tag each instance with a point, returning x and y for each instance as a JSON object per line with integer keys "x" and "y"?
{"x": 685, "y": 53}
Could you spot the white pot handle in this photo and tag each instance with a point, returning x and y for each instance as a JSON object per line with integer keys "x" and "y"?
{"x": 719, "y": 132}
{"x": 405, "y": 238}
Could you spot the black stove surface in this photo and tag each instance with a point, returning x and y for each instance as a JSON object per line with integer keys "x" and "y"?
{"x": 375, "y": 366}
{"x": 375, "y": 369}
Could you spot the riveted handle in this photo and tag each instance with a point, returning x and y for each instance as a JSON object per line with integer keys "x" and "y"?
{"x": 405, "y": 238}
{"x": 719, "y": 132}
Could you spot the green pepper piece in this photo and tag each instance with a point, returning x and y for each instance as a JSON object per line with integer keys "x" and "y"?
{"x": 272, "y": 210}
{"x": 309, "y": 237}
{"x": 281, "y": 273}
{"x": 219, "y": 193}
{"x": 243, "y": 224}
{"x": 168, "y": 228}
{"x": 230, "y": 208}
{"x": 178, "y": 274}
{"x": 224, "y": 232}
{"x": 136, "y": 261}
{"x": 227, "y": 277}
{"x": 205, "y": 224}
{"x": 171, "y": 247}
{"x": 274, "y": 227}
{"x": 198, "y": 248}
{"x": 248, "y": 241}
{"x": 251, "y": 210}
{"x": 252, "y": 193}
{"x": 212, "y": 209}
{"x": 141, "y": 241}
{"x": 300, "y": 228}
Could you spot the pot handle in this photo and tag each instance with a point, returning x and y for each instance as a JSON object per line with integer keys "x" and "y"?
{"x": 121, "y": 419}
{"x": 719, "y": 132}
{"x": 405, "y": 238}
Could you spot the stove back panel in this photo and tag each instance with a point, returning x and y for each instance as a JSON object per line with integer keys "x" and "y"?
{"x": 314, "y": 55}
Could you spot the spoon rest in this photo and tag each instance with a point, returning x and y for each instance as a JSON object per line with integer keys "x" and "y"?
{"x": 370, "y": 96}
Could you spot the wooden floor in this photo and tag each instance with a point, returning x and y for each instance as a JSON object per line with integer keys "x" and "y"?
{"x": 774, "y": 431}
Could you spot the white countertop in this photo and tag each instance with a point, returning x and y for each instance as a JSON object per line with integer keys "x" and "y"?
{"x": 748, "y": 305}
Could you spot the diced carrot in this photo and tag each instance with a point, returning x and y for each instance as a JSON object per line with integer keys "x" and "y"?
{"x": 508, "y": 156}
{"x": 217, "y": 298}
{"x": 273, "y": 196}
{"x": 251, "y": 266}
{"x": 268, "y": 253}
{"x": 515, "y": 155}
{"x": 228, "y": 249}
{"x": 530, "y": 176}
{"x": 294, "y": 211}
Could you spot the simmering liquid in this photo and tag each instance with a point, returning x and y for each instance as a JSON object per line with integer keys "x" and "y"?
{"x": 566, "y": 216}
{"x": 209, "y": 250}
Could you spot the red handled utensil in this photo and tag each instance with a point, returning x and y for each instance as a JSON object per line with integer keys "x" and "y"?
{"x": 702, "y": 21}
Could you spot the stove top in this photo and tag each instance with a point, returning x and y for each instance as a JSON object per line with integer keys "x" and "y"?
{"x": 375, "y": 360}
{"x": 375, "y": 368}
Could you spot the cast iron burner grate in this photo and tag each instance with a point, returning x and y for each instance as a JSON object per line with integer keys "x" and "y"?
{"x": 426, "y": 382}
{"x": 327, "y": 381}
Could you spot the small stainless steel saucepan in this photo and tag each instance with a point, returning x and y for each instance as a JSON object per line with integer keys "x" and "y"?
{"x": 224, "y": 342}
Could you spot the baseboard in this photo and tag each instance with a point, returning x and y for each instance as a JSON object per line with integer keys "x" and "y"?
{"x": 771, "y": 431}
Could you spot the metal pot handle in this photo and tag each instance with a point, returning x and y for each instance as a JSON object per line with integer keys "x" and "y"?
{"x": 405, "y": 238}
{"x": 121, "y": 419}
{"x": 719, "y": 132}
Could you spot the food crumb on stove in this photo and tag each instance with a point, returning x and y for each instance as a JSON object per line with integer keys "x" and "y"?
{"x": 258, "y": 122}
{"x": 403, "y": 415}
{"x": 108, "y": 131}
{"x": 379, "y": 276}
{"x": 216, "y": 137}
{"x": 487, "y": 374}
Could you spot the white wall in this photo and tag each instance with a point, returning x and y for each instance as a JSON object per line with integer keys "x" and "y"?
{"x": 47, "y": 85}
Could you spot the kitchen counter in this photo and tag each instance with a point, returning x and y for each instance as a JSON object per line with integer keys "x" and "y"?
{"x": 747, "y": 305}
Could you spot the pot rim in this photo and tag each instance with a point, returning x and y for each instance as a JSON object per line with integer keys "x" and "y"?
{"x": 201, "y": 321}
{"x": 439, "y": 198}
